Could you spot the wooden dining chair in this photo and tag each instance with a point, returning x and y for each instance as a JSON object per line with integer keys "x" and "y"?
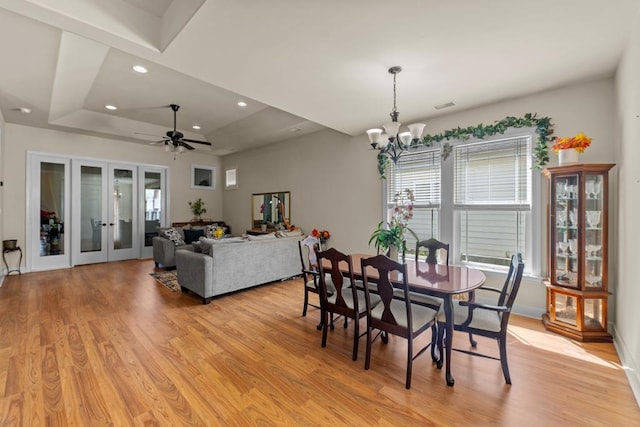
{"x": 391, "y": 315}
{"x": 488, "y": 320}
{"x": 433, "y": 246}
{"x": 347, "y": 298}
{"x": 310, "y": 272}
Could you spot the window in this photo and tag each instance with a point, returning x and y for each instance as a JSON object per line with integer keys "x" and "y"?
{"x": 231, "y": 178}
{"x": 480, "y": 200}
{"x": 492, "y": 199}
{"x": 203, "y": 177}
{"x": 419, "y": 172}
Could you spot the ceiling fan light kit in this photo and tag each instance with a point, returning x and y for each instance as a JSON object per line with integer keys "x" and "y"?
{"x": 389, "y": 141}
{"x": 174, "y": 141}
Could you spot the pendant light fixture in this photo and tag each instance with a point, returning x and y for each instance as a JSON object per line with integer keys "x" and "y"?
{"x": 389, "y": 141}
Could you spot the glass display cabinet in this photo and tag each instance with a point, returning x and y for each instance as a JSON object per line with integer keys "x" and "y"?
{"x": 577, "y": 289}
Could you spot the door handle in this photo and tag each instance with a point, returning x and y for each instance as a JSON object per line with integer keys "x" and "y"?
{"x": 104, "y": 224}
{"x": 111, "y": 224}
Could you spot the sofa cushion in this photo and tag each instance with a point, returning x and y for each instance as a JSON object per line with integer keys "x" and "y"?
{"x": 192, "y": 235}
{"x": 175, "y": 236}
{"x": 206, "y": 244}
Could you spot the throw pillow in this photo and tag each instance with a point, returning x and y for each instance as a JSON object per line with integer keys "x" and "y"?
{"x": 175, "y": 236}
{"x": 192, "y": 235}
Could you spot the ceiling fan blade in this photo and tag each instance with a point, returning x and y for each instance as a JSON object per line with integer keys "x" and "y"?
{"x": 196, "y": 142}
{"x": 158, "y": 142}
{"x": 185, "y": 145}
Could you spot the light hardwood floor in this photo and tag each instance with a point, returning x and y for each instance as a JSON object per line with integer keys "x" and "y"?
{"x": 106, "y": 344}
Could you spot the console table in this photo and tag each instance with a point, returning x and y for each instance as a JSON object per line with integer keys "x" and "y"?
{"x": 9, "y": 250}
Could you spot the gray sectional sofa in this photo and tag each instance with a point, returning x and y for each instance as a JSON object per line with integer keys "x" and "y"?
{"x": 228, "y": 265}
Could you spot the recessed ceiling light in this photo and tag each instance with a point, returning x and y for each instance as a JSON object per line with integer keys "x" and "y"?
{"x": 294, "y": 130}
{"x": 140, "y": 69}
{"x": 23, "y": 110}
{"x": 242, "y": 104}
{"x": 110, "y": 107}
{"x": 196, "y": 127}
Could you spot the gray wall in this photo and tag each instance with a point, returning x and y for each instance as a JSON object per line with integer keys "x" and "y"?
{"x": 334, "y": 182}
{"x": 627, "y": 293}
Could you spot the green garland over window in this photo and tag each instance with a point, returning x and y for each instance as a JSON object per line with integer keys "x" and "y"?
{"x": 543, "y": 125}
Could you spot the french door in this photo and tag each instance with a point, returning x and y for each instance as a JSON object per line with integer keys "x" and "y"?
{"x": 104, "y": 212}
{"x": 153, "y": 197}
{"x": 48, "y": 207}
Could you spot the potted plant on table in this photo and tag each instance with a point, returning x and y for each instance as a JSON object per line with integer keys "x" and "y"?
{"x": 390, "y": 236}
{"x": 197, "y": 208}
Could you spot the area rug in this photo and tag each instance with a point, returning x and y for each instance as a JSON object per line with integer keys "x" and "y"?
{"x": 168, "y": 279}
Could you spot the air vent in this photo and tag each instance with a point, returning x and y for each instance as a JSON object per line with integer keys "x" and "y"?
{"x": 443, "y": 106}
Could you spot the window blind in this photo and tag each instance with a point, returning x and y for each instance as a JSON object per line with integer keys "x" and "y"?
{"x": 493, "y": 174}
{"x": 419, "y": 172}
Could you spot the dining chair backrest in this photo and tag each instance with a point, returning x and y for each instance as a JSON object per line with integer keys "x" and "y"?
{"x": 340, "y": 263}
{"x": 308, "y": 258}
{"x": 386, "y": 272}
{"x": 433, "y": 246}
{"x": 511, "y": 286}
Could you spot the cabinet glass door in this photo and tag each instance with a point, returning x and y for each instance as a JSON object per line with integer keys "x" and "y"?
{"x": 566, "y": 231}
{"x": 593, "y": 230}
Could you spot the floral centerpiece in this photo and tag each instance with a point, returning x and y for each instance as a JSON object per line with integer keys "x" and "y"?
{"x": 392, "y": 234}
{"x": 579, "y": 142}
{"x": 568, "y": 148}
{"x": 323, "y": 235}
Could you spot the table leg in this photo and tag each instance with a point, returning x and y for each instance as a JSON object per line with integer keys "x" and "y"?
{"x": 448, "y": 338}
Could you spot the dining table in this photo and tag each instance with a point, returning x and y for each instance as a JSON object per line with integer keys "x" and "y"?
{"x": 442, "y": 281}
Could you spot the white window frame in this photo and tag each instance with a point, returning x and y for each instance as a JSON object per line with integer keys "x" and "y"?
{"x": 449, "y": 217}
{"x": 211, "y": 172}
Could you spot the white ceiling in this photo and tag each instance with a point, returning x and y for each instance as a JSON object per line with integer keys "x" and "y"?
{"x": 300, "y": 66}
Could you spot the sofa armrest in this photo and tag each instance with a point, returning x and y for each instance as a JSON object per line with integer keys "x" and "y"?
{"x": 195, "y": 273}
{"x": 163, "y": 251}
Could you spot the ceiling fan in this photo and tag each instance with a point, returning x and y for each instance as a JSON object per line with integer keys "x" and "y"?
{"x": 175, "y": 140}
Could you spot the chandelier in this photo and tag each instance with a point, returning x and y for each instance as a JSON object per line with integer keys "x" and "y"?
{"x": 389, "y": 141}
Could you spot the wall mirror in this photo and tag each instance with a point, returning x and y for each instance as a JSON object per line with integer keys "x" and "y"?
{"x": 270, "y": 208}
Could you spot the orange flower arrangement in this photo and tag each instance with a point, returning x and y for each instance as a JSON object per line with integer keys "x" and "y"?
{"x": 580, "y": 142}
{"x": 322, "y": 235}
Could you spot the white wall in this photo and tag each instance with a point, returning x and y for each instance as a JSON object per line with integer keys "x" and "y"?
{"x": 627, "y": 296}
{"x": 334, "y": 182}
{"x": 19, "y": 139}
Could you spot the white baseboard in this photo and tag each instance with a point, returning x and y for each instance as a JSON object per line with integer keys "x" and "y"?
{"x": 628, "y": 364}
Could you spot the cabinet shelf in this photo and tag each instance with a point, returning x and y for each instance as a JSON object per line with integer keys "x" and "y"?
{"x": 577, "y": 288}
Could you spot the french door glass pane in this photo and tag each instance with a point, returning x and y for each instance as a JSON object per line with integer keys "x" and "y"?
{"x": 52, "y": 198}
{"x": 152, "y": 205}
{"x": 90, "y": 208}
{"x": 122, "y": 219}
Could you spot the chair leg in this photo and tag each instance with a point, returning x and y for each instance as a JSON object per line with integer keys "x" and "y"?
{"x": 346, "y": 322}
{"x": 434, "y": 338}
{"x": 502, "y": 343}
{"x": 473, "y": 342}
{"x": 409, "y": 362}
{"x": 440, "y": 345}
{"x": 323, "y": 316}
{"x": 306, "y": 301}
{"x": 356, "y": 338}
{"x": 367, "y": 358}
